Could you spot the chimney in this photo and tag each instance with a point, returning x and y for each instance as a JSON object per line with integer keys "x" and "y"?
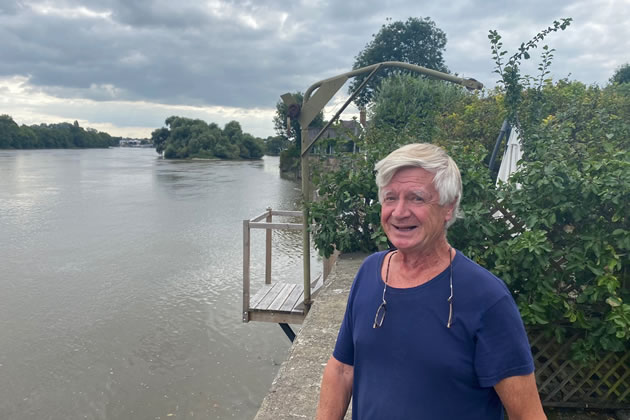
{"x": 362, "y": 117}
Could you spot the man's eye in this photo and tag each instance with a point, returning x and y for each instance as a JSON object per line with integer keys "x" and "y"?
{"x": 418, "y": 199}
{"x": 390, "y": 199}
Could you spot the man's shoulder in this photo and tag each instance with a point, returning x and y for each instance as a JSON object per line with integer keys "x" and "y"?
{"x": 373, "y": 260}
{"x": 478, "y": 279}
{"x": 370, "y": 267}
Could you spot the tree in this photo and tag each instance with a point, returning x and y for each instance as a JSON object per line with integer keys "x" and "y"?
{"x": 53, "y": 136}
{"x": 233, "y": 131}
{"x": 290, "y": 156}
{"x": 158, "y": 137}
{"x": 9, "y": 132}
{"x": 274, "y": 145}
{"x": 185, "y": 138}
{"x": 251, "y": 147}
{"x": 622, "y": 75}
{"x": 417, "y": 41}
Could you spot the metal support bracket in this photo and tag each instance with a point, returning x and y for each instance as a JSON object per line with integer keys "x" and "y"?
{"x": 288, "y": 331}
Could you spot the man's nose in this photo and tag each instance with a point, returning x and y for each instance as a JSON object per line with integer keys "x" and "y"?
{"x": 401, "y": 209}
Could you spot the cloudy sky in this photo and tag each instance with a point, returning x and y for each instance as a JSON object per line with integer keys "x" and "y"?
{"x": 124, "y": 66}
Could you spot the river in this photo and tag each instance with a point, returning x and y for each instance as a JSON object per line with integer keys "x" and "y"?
{"x": 121, "y": 285}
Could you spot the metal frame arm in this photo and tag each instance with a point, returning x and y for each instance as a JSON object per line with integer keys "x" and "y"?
{"x": 327, "y": 88}
{"x": 468, "y": 83}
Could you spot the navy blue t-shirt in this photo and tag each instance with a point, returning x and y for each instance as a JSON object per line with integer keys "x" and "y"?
{"x": 413, "y": 367}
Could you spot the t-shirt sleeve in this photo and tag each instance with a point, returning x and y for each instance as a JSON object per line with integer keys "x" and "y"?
{"x": 344, "y": 347}
{"x": 502, "y": 349}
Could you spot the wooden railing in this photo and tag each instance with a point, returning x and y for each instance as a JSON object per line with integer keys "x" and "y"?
{"x": 265, "y": 221}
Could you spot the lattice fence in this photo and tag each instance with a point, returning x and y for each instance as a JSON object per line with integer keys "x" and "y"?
{"x": 566, "y": 383}
{"x": 563, "y": 382}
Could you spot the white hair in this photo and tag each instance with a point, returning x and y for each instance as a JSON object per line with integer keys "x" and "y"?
{"x": 447, "y": 179}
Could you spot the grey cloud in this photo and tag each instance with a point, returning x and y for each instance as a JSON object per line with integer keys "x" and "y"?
{"x": 149, "y": 13}
{"x": 239, "y": 54}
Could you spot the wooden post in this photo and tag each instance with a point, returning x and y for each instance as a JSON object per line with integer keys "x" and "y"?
{"x": 268, "y": 249}
{"x": 306, "y": 198}
{"x": 246, "y": 257}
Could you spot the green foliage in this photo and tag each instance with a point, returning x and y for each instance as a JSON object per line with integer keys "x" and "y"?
{"x": 291, "y": 133}
{"x": 274, "y": 145}
{"x": 416, "y": 41}
{"x": 511, "y": 78}
{"x": 51, "y": 136}
{"x": 475, "y": 119}
{"x": 622, "y": 75}
{"x": 294, "y": 133}
{"x": 348, "y": 216}
{"x": 185, "y": 138}
{"x": 564, "y": 250}
{"x": 567, "y": 261}
{"x": 290, "y": 159}
{"x": 406, "y": 110}
{"x": 568, "y": 266}
{"x": 410, "y": 103}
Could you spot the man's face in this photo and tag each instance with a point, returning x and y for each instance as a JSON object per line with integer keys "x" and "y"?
{"x": 411, "y": 215}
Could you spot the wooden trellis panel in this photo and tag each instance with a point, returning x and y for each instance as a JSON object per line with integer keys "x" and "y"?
{"x": 566, "y": 383}
{"x": 561, "y": 381}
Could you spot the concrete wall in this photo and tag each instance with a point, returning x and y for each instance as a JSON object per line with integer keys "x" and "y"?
{"x": 294, "y": 392}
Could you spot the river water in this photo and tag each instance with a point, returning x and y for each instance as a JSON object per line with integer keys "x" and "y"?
{"x": 121, "y": 285}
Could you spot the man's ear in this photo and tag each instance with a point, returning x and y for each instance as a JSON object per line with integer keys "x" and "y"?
{"x": 450, "y": 212}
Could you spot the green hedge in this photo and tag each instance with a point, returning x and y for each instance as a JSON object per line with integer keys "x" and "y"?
{"x": 567, "y": 257}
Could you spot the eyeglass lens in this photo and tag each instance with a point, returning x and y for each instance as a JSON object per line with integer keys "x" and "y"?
{"x": 380, "y": 315}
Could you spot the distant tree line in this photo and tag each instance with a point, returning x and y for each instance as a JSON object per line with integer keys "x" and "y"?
{"x": 185, "y": 138}
{"x": 51, "y": 136}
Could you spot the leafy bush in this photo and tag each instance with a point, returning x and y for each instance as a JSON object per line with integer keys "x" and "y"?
{"x": 565, "y": 251}
{"x": 568, "y": 266}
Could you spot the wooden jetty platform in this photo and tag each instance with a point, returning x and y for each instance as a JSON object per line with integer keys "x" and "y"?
{"x": 282, "y": 303}
{"x": 279, "y": 302}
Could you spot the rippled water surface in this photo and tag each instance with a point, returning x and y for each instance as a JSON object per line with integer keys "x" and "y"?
{"x": 121, "y": 283}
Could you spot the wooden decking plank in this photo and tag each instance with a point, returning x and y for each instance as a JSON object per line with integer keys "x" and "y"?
{"x": 282, "y": 296}
{"x": 281, "y": 301}
{"x": 270, "y": 297}
{"x": 293, "y": 298}
{"x": 261, "y": 294}
{"x": 299, "y": 303}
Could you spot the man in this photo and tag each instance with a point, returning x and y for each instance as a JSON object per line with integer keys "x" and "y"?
{"x": 427, "y": 334}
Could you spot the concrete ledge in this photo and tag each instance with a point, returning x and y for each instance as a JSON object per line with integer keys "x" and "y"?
{"x": 294, "y": 392}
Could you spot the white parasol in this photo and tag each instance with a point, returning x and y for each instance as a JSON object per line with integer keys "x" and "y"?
{"x": 512, "y": 155}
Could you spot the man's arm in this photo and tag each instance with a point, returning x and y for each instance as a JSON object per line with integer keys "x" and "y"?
{"x": 336, "y": 390}
{"x": 520, "y": 398}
